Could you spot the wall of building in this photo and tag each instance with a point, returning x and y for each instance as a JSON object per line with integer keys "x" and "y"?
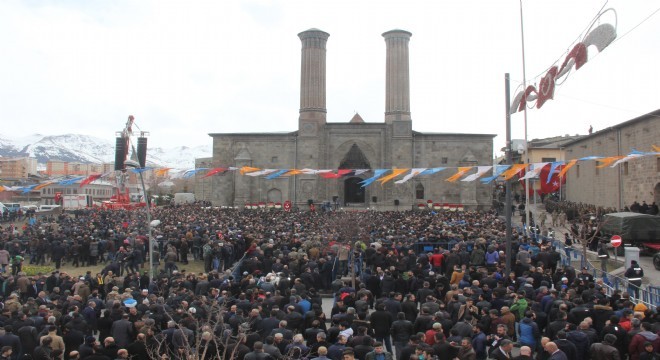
{"x": 538, "y": 155}
{"x": 620, "y": 186}
{"x": 453, "y": 150}
{"x": 377, "y": 145}
{"x": 18, "y": 168}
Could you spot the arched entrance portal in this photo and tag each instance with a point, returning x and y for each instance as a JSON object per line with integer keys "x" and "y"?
{"x": 353, "y": 192}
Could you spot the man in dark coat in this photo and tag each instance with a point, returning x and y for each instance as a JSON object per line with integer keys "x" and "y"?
{"x": 381, "y": 321}
{"x": 122, "y": 331}
{"x": 29, "y": 338}
{"x": 72, "y": 339}
{"x": 605, "y": 350}
{"x": 138, "y": 349}
{"x": 9, "y": 339}
{"x": 43, "y": 351}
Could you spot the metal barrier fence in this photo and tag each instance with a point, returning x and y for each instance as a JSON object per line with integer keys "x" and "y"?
{"x": 649, "y": 296}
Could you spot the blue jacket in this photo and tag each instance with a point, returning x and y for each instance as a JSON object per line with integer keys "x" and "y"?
{"x": 529, "y": 332}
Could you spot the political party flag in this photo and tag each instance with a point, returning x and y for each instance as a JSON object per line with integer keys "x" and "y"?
{"x": 481, "y": 170}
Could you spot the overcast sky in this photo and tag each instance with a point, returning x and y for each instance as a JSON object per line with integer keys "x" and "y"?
{"x": 188, "y": 68}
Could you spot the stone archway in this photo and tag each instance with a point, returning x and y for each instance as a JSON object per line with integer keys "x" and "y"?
{"x": 354, "y": 193}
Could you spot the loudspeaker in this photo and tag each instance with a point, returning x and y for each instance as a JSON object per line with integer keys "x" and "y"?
{"x": 374, "y": 199}
{"x": 310, "y": 201}
{"x": 142, "y": 151}
{"x": 396, "y": 202}
{"x": 120, "y": 153}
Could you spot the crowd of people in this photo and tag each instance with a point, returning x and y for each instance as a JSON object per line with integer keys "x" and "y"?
{"x": 644, "y": 208}
{"x": 410, "y": 285}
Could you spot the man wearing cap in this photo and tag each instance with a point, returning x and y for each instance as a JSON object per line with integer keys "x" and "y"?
{"x": 605, "y": 350}
{"x": 634, "y": 274}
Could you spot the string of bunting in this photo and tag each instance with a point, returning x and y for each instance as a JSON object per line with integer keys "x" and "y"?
{"x": 547, "y": 171}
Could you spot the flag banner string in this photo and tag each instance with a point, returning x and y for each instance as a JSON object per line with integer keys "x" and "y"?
{"x": 558, "y": 169}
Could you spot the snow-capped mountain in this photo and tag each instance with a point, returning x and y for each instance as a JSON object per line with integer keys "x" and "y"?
{"x": 89, "y": 149}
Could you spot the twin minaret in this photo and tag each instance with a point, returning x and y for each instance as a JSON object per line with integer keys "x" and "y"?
{"x": 312, "y": 76}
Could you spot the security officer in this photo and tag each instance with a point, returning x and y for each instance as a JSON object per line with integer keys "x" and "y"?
{"x": 634, "y": 274}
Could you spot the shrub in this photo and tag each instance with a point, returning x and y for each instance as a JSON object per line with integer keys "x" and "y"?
{"x": 31, "y": 270}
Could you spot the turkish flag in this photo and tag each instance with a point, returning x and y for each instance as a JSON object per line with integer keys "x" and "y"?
{"x": 555, "y": 181}
{"x": 546, "y": 187}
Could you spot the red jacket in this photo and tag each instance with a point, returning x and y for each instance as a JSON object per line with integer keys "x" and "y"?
{"x": 436, "y": 259}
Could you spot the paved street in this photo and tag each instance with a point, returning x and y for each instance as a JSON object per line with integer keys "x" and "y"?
{"x": 651, "y": 275}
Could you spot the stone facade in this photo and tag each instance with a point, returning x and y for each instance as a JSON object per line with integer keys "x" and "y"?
{"x": 356, "y": 144}
{"x": 636, "y": 180}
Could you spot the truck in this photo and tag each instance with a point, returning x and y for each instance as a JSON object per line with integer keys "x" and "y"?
{"x": 184, "y": 198}
{"x": 77, "y": 201}
{"x": 640, "y": 230}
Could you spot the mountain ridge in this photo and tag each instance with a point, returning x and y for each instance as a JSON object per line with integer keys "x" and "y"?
{"x": 93, "y": 150}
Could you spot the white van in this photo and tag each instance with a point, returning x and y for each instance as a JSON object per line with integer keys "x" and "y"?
{"x": 48, "y": 207}
{"x": 13, "y": 207}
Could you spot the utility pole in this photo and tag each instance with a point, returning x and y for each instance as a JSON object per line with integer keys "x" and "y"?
{"x": 509, "y": 161}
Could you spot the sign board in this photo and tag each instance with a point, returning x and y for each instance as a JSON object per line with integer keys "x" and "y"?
{"x": 615, "y": 241}
{"x": 287, "y": 205}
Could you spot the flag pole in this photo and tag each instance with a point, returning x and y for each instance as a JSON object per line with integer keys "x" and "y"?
{"x": 522, "y": 40}
{"x": 509, "y": 161}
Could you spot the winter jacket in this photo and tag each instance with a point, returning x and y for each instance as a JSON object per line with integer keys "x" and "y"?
{"x": 492, "y": 257}
{"x": 581, "y": 342}
{"x": 636, "y": 346}
{"x": 402, "y": 330}
{"x": 602, "y": 351}
{"x": 529, "y": 333}
{"x": 372, "y": 356}
{"x": 381, "y": 321}
{"x": 518, "y": 308}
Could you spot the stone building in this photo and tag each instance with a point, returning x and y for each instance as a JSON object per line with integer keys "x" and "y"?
{"x": 635, "y": 180}
{"x": 355, "y": 144}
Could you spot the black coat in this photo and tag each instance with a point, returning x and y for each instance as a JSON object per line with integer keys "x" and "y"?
{"x": 402, "y": 330}
{"x": 29, "y": 338}
{"x": 138, "y": 350}
{"x": 381, "y": 321}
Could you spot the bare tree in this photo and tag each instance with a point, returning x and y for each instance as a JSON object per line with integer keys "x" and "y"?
{"x": 585, "y": 229}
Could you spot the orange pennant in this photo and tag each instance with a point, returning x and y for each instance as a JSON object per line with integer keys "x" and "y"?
{"x": 607, "y": 161}
{"x": 162, "y": 172}
{"x": 395, "y": 173}
{"x": 43, "y": 185}
{"x": 461, "y": 171}
{"x": 293, "y": 172}
{"x": 513, "y": 171}
{"x": 566, "y": 167}
{"x": 248, "y": 169}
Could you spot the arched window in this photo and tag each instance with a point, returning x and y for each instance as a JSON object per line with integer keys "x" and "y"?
{"x": 419, "y": 191}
